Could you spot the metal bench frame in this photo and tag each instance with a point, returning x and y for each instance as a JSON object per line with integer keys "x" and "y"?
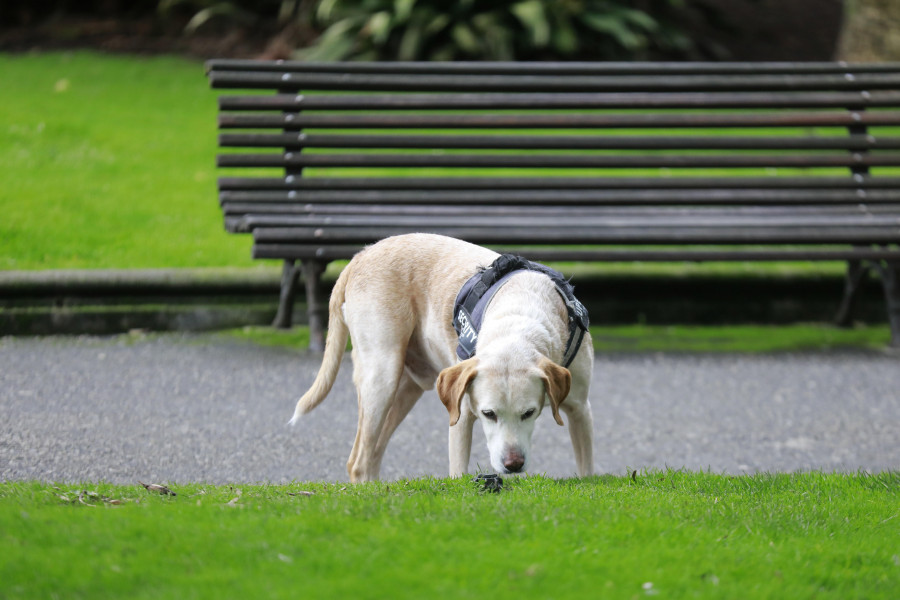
{"x": 668, "y": 162}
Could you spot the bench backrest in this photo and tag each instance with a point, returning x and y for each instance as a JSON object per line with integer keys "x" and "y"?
{"x": 623, "y": 153}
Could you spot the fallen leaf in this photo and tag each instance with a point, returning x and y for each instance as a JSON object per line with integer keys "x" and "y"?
{"x": 84, "y": 493}
{"x": 233, "y": 501}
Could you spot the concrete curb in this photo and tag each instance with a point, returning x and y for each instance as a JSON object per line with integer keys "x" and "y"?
{"x": 113, "y": 301}
{"x": 120, "y": 281}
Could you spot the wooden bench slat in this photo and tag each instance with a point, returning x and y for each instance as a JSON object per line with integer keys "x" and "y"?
{"x": 297, "y": 122}
{"x": 634, "y": 221}
{"x": 302, "y": 184}
{"x": 553, "y": 68}
{"x": 599, "y": 254}
{"x": 246, "y": 216}
{"x": 593, "y": 235}
{"x": 290, "y": 160}
{"x": 568, "y": 101}
{"x": 551, "y": 209}
{"x": 573, "y": 198}
{"x": 551, "y": 82}
{"x": 559, "y": 142}
{"x": 602, "y": 223}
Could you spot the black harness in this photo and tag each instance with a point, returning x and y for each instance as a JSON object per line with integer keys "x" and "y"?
{"x": 476, "y": 294}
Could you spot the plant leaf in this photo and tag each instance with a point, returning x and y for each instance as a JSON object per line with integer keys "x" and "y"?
{"x": 465, "y": 38}
{"x": 614, "y": 27}
{"x": 379, "y": 27}
{"x": 403, "y": 9}
{"x": 532, "y": 16}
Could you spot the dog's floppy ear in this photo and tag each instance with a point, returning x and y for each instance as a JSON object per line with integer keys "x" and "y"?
{"x": 557, "y": 381}
{"x": 452, "y": 384}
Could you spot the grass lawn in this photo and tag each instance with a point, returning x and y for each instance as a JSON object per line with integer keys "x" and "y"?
{"x": 666, "y": 338}
{"x": 109, "y": 162}
{"x": 666, "y": 534}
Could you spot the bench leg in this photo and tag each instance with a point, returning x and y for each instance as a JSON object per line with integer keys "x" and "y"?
{"x": 889, "y": 272}
{"x": 312, "y": 277}
{"x": 285, "y": 315}
{"x": 890, "y": 279}
{"x": 857, "y": 271}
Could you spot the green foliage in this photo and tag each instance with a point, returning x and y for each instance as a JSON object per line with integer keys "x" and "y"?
{"x": 239, "y": 12}
{"x": 669, "y": 533}
{"x": 502, "y": 30}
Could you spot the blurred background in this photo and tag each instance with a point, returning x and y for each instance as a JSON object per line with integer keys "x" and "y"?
{"x": 736, "y": 30}
{"x": 110, "y": 140}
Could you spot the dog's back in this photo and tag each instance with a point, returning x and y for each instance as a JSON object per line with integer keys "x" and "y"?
{"x": 393, "y": 294}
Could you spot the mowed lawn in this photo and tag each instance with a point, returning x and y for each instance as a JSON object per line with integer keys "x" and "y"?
{"x": 109, "y": 162}
{"x": 659, "y": 534}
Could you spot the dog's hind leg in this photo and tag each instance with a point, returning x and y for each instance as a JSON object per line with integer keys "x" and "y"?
{"x": 408, "y": 393}
{"x": 377, "y": 380}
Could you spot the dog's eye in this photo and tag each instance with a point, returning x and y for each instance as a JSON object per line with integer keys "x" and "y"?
{"x": 528, "y": 414}
{"x": 490, "y": 415}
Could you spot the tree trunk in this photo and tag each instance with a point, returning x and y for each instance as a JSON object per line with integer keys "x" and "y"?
{"x": 870, "y": 32}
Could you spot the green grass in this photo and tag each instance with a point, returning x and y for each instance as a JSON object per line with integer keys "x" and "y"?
{"x": 738, "y": 338}
{"x": 666, "y": 534}
{"x": 666, "y": 338}
{"x": 109, "y": 162}
{"x": 296, "y": 337}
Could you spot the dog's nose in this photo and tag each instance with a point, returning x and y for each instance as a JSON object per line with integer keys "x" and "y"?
{"x": 513, "y": 462}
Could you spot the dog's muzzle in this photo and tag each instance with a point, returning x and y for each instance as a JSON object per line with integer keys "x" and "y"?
{"x": 514, "y": 461}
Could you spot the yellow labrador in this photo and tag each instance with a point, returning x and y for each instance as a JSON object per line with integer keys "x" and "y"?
{"x": 395, "y": 299}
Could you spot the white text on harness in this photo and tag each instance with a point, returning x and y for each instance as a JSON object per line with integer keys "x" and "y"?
{"x": 465, "y": 327}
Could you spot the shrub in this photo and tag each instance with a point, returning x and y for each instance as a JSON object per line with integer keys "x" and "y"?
{"x": 497, "y": 30}
{"x": 231, "y": 12}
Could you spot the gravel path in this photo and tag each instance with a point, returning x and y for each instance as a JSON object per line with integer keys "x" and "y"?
{"x": 181, "y": 408}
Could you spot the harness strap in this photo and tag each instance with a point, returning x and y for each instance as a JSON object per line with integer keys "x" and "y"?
{"x": 477, "y": 293}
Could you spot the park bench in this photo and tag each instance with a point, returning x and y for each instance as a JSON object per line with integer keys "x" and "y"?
{"x": 565, "y": 162}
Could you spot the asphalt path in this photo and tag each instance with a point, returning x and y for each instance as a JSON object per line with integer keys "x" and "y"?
{"x": 199, "y": 408}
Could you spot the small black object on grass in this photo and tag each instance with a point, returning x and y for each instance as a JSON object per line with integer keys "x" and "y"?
{"x": 159, "y": 489}
{"x": 490, "y": 482}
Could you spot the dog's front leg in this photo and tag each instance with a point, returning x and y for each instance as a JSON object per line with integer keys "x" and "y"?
{"x": 461, "y": 443}
{"x": 581, "y": 432}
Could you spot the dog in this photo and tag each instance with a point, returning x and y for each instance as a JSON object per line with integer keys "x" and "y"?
{"x": 396, "y": 299}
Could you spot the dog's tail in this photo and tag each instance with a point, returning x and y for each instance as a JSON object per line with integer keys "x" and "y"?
{"x": 335, "y": 344}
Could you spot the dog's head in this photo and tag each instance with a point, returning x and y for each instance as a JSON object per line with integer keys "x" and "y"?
{"x": 507, "y": 401}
